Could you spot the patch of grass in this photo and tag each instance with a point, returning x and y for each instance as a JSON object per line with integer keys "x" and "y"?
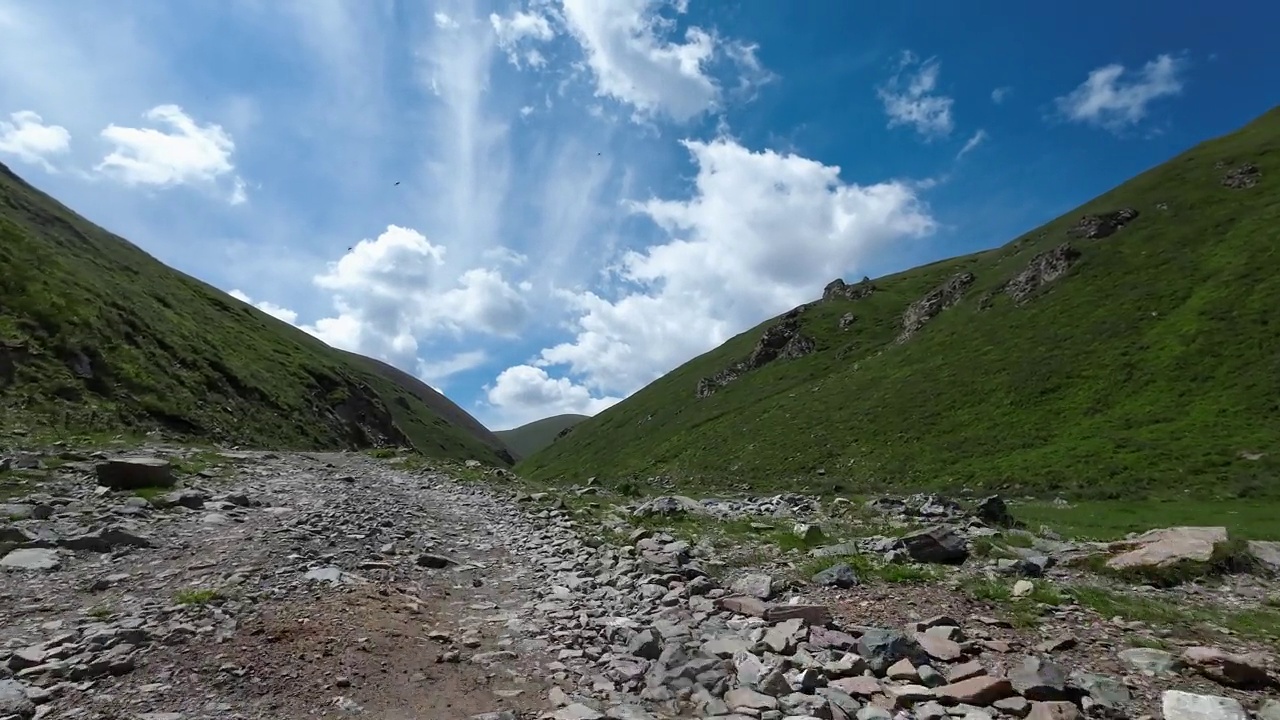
{"x": 100, "y": 612}
{"x": 1021, "y": 611}
{"x": 383, "y": 453}
{"x": 151, "y": 493}
{"x": 869, "y": 568}
{"x": 1195, "y": 619}
{"x": 98, "y": 338}
{"x": 196, "y": 596}
{"x": 1104, "y": 520}
{"x": 1147, "y": 370}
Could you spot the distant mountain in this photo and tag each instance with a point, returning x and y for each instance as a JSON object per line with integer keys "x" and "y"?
{"x": 1130, "y": 347}
{"x": 532, "y": 437}
{"x": 96, "y": 336}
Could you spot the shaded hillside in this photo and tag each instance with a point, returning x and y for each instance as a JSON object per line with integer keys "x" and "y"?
{"x": 442, "y": 406}
{"x": 1130, "y": 347}
{"x": 532, "y": 437}
{"x": 98, "y": 336}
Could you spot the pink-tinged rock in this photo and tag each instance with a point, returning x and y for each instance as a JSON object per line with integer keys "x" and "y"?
{"x": 858, "y": 686}
{"x": 743, "y": 605}
{"x": 1237, "y": 670}
{"x": 824, "y": 638}
{"x": 1055, "y": 710}
{"x": 939, "y": 648}
{"x": 981, "y": 690}
{"x": 1168, "y": 546}
{"x": 808, "y": 614}
{"x": 964, "y": 671}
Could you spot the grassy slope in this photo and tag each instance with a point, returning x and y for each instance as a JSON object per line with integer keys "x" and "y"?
{"x": 532, "y": 437}
{"x": 169, "y": 352}
{"x": 1145, "y": 371}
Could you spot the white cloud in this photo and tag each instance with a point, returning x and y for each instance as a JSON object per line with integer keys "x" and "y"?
{"x": 275, "y": 311}
{"x": 524, "y": 393}
{"x": 513, "y": 30}
{"x": 909, "y": 98}
{"x": 1111, "y": 99}
{"x": 390, "y": 292}
{"x": 444, "y": 22}
{"x": 762, "y": 233}
{"x": 999, "y": 94}
{"x": 435, "y": 373}
{"x": 978, "y": 138}
{"x": 31, "y": 141}
{"x": 633, "y": 62}
{"x": 189, "y": 153}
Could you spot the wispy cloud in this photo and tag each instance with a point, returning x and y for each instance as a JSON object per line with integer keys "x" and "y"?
{"x": 974, "y": 141}
{"x": 1113, "y": 98}
{"x": 910, "y": 98}
{"x": 999, "y": 95}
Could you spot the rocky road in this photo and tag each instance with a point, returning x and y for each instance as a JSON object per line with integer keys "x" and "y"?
{"x": 276, "y": 585}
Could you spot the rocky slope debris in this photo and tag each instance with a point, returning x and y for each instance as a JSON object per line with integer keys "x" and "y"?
{"x": 335, "y": 586}
{"x": 1242, "y": 177}
{"x": 782, "y": 340}
{"x": 932, "y": 304}
{"x": 1043, "y": 269}
{"x": 1103, "y": 225}
{"x": 839, "y": 289}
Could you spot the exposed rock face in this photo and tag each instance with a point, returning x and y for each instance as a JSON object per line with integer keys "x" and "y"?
{"x": 1042, "y": 270}
{"x": 129, "y": 473}
{"x": 1168, "y": 547}
{"x": 1096, "y": 227}
{"x": 1242, "y": 177}
{"x": 847, "y": 320}
{"x": 839, "y": 289}
{"x": 782, "y": 340}
{"x": 931, "y": 305}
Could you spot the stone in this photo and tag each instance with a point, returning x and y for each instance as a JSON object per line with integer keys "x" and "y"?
{"x": 822, "y": 637}
{"x": 1266, "y": 553}
{"x": 1179, "y": 705}
{"x": 38, "y": 559}
{"x": 1106, "y": 691}
{"x": 882, "y": 648}
{"x": 939, "y": 648}
{"x": 14, "y": 700}
{"x": 1167, "y": 547}
{"x": 747, "y": 698}
{"x": 1150, "y": 661}
{"x": 755, "y": 585}
{"x": 807, "y": 614}
{"x": 1237, "y": 670}
{"x": 133, "y": 473}
{"x": 1054, "y": 710}
{"x": 743, "y": 605}
{"x": 936, "y": 544}
{"x": 860, "y": 686}
{"x": 1039, "y": 678}
{"x": 107, "y": 539}
{"x": 433, "y": 561}
{"x": 840, "y": 575}
{"x": 578, "y": 711}
{"x": 978, "y": 690}
{"x": 992, "y": 510}
{"x": 1269, "y": 710}
{"x": 1023, "y": 588}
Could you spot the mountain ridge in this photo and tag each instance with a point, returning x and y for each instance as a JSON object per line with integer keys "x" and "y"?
{"x": 98, "y": 336}
{"x": 1117, "y": 350}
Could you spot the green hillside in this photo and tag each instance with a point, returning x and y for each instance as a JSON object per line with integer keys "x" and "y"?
{"x": 96, "y": 336}
{"x": 1135, "y": 352}
{"x": 532, "y": 437}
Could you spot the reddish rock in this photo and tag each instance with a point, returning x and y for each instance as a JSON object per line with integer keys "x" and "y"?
{"x": 981, "y": 690}
{"x": 857, "y": 686}
{"x": 939, "y": 648}
{"x": 1237, "y": 670}
{"x": 744, "y": 605}
{"x": 807, "y": 614}
{"x": 1056, "y": 710}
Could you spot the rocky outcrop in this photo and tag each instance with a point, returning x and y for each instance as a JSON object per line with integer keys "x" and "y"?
{"x": 1042, "y": 270}
{"x": 782, "y": 340}
{"x": 1242, "y": 177}
{"x": 1096, "y": 227}
{"x": 838, "y": 289}
{"x": 931, "y": 305}
{"x": 847, "y": 320}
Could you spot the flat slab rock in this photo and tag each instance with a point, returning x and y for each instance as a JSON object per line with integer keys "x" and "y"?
{"x": 31, "y": 559}
{"x": 1168, "y": 546}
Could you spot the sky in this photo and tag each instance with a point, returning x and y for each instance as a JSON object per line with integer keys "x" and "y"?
{"x": 540, "y": 206}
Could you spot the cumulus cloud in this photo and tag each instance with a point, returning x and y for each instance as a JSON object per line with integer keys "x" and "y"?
{"x": 185, "y": 153}
{"x": 275, "y": 311}
{"x": 390, "y": 291}
{"x": 27, "y": 137}
{"x": 999, "y": 94}
{"x": 909, "y": 98}
{"x": 524, "y": 393}
{"x": 635, "y": 62}
{"x": 762, "y": 233}
{"x": 1112, "y": 98}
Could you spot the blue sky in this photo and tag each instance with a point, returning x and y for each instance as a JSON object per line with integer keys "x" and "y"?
{"x": 540, "y": 206}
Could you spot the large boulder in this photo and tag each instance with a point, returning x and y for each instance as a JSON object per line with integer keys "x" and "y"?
{"x": 1167, "y": 547}
{"x": 133, "y": 473}
{"x": 937, "y": 544}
